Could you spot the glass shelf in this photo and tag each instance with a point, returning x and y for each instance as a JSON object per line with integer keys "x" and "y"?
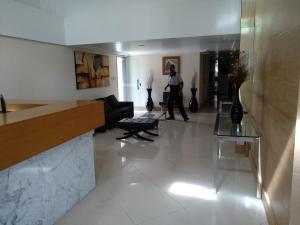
{"x": 224, "y": 127}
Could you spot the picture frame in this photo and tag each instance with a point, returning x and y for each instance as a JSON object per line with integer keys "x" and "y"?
{"x": 167, "y": 61}
{"x": 92, "y": 70}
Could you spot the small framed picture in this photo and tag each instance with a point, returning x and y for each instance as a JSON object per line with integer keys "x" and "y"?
{"x": 169, "y": 60}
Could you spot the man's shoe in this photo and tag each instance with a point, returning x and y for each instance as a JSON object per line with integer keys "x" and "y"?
{"x": 170, "y": 118}
{"x": 186, "y": 119}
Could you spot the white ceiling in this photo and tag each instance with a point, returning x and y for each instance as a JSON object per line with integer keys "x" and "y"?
{"x": 50, "y": 6}
{"x": 103, "y": 21}
{"x": 71, "y": 7}
{"x": 169, "y": 26}
{"x": 167, "y": 46}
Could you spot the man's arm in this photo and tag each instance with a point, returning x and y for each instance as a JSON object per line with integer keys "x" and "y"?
{"x": 181, "y": 87}
{"x": 180, "y": 83}
{"x": 167, "y": 86}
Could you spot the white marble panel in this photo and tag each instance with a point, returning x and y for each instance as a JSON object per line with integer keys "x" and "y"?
{"x": 40, "y": 190}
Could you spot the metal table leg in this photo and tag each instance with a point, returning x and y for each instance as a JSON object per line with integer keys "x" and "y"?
{"x": 259, "y": 173}
{"x": 216, "y": 146}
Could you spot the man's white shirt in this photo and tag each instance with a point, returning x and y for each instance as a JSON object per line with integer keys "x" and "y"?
{"x": 175, "y": 80}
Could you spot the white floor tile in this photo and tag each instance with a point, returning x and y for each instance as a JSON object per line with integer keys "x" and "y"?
{"x": 168, "y": 181}
{"x": 143, "y": 202}
{"x": 91, "y": 212}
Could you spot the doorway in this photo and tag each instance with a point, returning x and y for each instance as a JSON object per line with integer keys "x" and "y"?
{"x": 122, "y": 78}
{"x": 214, "y": 83}
{"x": 129, "y": 80}
{"x": 209, "y": 79}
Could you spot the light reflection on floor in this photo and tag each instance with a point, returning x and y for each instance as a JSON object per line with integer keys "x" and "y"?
{"x": 193, "y": 191}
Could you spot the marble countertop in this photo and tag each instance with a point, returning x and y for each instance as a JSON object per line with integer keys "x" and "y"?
{"x": 20, "y": 110}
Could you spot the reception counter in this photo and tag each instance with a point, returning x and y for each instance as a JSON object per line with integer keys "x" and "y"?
{"x": 46, "y": 158}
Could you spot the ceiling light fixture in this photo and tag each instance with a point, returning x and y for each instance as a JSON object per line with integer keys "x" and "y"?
{"x": 118, "y": 46}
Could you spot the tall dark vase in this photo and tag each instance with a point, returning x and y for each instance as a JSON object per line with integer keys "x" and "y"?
{"x": 236, "y": 108}
{"x": 193, "y": 102}
{"x": 149, "y": 104}
{"x": 3, "y": 104}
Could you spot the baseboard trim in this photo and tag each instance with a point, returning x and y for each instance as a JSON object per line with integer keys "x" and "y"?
{"x": 143, "y": 108}
{"x": 140, "y": 108}
{"x": 271, "y": 217}
{"x": 157, "y": 109}
{"x": 272, "y": 220}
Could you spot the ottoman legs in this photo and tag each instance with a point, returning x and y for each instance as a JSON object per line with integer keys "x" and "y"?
{"x": 135, "y": 133}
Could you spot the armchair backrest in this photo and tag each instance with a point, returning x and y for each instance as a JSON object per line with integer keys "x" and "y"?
{"x": 112, "y": 101}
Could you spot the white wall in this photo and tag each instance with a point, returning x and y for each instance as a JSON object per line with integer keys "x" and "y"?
{"x": 36, "y": 71}
{"x": 131, "y": 20}
{"x": 34, "y": 22}
{"x": 139, "y": 67}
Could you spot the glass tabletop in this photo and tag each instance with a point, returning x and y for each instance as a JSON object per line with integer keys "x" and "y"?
{"x": 224, "y": 127}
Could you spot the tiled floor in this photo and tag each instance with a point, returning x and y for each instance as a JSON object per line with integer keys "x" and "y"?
{"x": 168, "y": 182}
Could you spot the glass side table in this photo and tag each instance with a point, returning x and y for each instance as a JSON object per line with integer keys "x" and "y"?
{"x": 244, "y": 132}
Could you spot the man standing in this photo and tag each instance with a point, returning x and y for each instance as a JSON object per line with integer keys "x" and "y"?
{"x": 176, "y": 84}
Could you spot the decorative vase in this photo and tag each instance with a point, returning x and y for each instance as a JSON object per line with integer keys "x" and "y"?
{"x": 236, "y": 129}
{"x": 3, "y": 104}
{"x": 149, "y": 104}
{"x": 236, "y": 108}
{"x": 193, "y": 102}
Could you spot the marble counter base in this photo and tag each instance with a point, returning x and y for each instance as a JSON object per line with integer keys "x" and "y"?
{"x": 40, "y": 190}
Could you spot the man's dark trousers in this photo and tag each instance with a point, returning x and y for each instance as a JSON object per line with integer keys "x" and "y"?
{"x": 174, "y": 96}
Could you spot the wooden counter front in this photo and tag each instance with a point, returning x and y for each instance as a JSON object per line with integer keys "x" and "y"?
{"x": 44, "y": 125}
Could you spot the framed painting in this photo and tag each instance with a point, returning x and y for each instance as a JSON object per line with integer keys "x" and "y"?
{"x": 92, "y": 70}
{"x": 169, "y": 60}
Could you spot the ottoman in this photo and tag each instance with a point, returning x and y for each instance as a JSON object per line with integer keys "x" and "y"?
{"x": 134, "y": 126}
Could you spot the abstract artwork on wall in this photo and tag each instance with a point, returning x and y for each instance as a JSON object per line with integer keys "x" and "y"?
{"x": 92, "y": 70}
{"x": 169, "y": 60}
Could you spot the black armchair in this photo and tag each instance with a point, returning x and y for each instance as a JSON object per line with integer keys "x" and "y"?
{"x": 115, "y": 111}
